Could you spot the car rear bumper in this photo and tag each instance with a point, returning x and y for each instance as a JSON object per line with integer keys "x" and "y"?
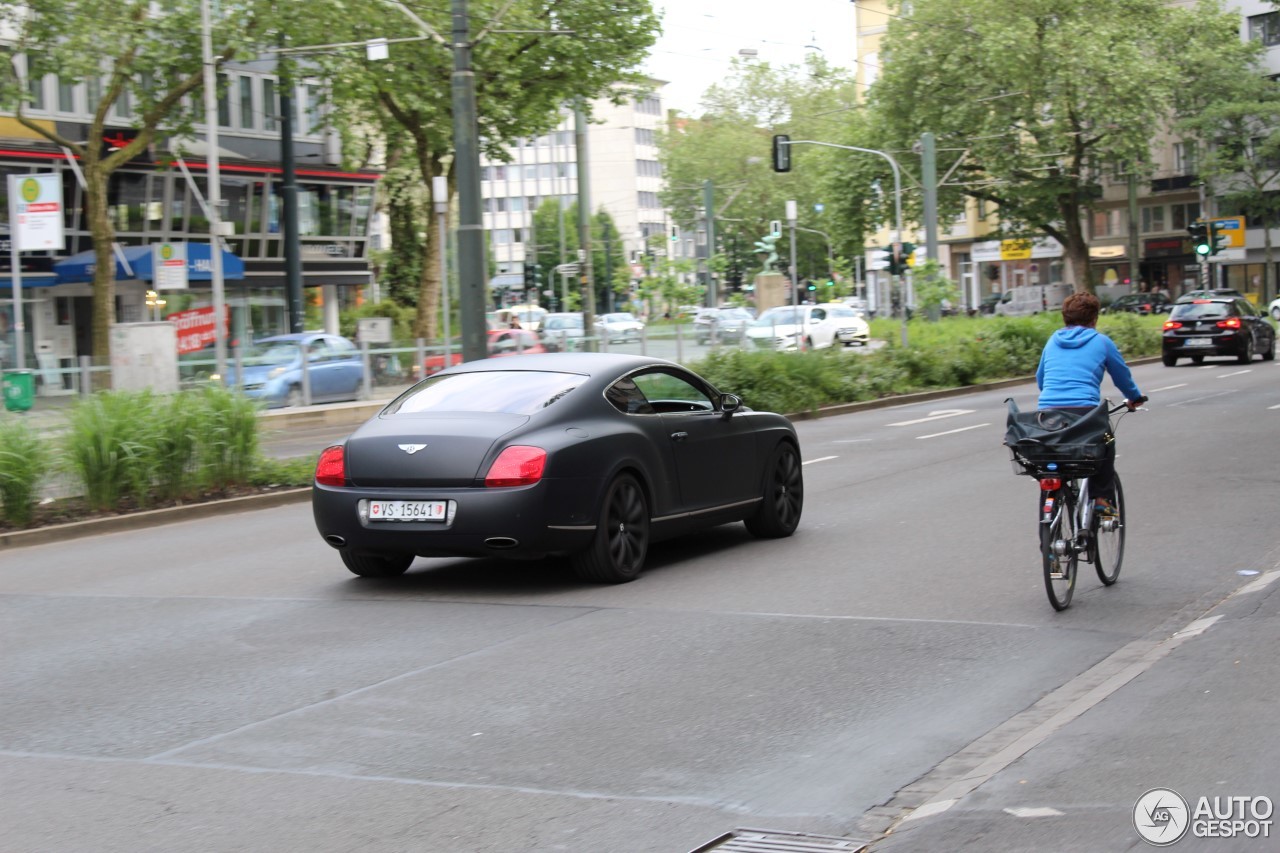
{"x": 1232, "y": 343}
{"x": 549, "y": 517}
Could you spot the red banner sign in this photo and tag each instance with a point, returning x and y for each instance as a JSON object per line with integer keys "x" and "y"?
{"x": 196, "y": 328}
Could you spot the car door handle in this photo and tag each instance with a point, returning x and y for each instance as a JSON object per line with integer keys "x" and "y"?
{"x": 679, "y": 436}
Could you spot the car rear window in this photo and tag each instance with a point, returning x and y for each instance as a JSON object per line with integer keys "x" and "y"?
{"x": 1200, "y": 311}
{"x": 517, "y": 392}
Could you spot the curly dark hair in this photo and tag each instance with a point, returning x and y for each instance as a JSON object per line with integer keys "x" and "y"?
{"x": 1080, "y": 309}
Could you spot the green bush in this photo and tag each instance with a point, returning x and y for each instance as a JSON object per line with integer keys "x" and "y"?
{"x": 102, "y": 445}
{"x": 227, "y": 444}
{"x": 297, "y": 471}
{"x": 24, "y": 462}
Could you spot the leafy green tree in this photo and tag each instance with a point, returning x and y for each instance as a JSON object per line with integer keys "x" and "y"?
{"x": 139, "y": 59}
{"x": 607, "y": 249}
{"x": 1042, "y": 98}
{"x": 730, "y": 144}
{"x": 524, "y": 76}
{"x": 1239, "y": 157}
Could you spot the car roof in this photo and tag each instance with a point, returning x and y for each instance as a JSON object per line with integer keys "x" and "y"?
{"x": 586, "y": 363}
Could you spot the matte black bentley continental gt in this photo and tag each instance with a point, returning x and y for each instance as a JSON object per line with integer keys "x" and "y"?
{"x": 591, "y": 455}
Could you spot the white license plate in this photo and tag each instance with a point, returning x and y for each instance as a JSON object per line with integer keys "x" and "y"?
{"x": 1199, "y": 342}
{"x": 407, "y": 510}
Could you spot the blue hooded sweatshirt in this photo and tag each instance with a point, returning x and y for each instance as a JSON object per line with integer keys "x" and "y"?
{"x": 1070, "y": 371}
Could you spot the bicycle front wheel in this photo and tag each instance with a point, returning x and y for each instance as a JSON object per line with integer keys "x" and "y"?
{"x": 1108, "y": 540}
{"x": 1058, "y": 549}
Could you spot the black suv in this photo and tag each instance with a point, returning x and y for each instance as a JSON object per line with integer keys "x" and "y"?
{"x": 1219, "y": 325}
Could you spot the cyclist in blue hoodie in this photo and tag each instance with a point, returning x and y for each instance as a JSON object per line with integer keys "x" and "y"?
{"x": 1070, "y": 378}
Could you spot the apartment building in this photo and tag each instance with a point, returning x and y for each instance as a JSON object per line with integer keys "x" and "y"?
{"x": 622, "y": 160}
{"x": 160, "y": 198}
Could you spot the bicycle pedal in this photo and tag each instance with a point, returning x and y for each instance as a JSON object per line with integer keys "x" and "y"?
{"x": 1057, "y": 576}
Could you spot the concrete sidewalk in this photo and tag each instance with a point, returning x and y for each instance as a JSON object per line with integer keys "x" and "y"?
{"x": 1189, "y": 712}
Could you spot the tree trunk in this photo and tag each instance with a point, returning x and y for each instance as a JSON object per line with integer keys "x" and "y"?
{"x": 1076, "y": 247}
{"x": 426, "y": 323}
{"x": 104, "y": 273}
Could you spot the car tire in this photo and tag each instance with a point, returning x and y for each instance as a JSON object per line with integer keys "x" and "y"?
{"x": 1247, "y": 355}
{"x": 376, "y": 565}
{"x": 1275, "y": 313}
{"x": 1169, "y": 360}
{"x": 778, "y": 514}
{"x": 294, "y": 396}
{"x": 1270, "y": 353}
{"x": 621, "y": 541}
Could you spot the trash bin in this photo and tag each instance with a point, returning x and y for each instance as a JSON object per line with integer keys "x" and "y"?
{"x": 19, "y": 390}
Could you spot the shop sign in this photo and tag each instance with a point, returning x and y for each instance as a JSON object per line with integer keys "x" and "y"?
{"x": 1166, "y": 247}
{"x": 196, "y": 328}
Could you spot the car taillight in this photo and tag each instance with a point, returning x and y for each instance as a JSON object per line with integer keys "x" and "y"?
{"x": 518, "y": 465}
{"x": 331, "y": 470}
{"x": 1050, "y": 484}
{"x": 1229, "y": 323}
{"x": 1172, "y": 324}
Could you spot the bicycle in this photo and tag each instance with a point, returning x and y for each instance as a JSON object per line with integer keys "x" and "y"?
{"x": 1070, "y": 530}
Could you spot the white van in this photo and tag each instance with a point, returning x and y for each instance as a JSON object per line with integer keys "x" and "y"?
{"x": 1032, "y": 299}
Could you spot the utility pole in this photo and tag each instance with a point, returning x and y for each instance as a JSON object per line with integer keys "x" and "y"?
{"x": 586, "y": 280}
{"x": 289, "y": 197}
{"x": 795, "y": 284}
{"x": 708, "y": 199}
{"x": 215, "y": 196}
{"x": 470, "y": 230}
{"x": 1134, "y": 261}
{"x": 929, "y": 177}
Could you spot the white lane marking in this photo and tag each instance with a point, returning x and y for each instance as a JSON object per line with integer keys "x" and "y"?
{"x": 952, "y": 431}
{"x": 1034, "y": 811}
{"x": 1169, "y": 387}
{"x": 1261, "y": 583}
{"x": 1198, "y": 399}
{"x": 1273, "y": 407}
{"x": 1235, "y": 373}
{"x": 935, "y": 416}
{"x": 819, "y": 459}
{"x": 1198, "y": 627}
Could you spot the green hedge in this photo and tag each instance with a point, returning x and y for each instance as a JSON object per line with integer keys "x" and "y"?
{"x": 955, "y": 351}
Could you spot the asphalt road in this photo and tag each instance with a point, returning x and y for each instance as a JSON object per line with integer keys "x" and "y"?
{"x": 225, "y": 684}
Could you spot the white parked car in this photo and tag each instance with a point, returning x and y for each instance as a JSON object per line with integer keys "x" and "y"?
{"x": 1274, "y": 309}
{"x": 619, "y": 327}
{"x": 789, "y": 327}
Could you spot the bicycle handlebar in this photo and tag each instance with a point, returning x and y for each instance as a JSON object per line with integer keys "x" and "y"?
{"x": 1126, "y": 404}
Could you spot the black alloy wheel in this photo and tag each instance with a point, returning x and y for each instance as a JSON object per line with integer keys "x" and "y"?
{"x": 376, "y": 565}
{"x": 617, "y": 551}
{"x": 783, "y": 499}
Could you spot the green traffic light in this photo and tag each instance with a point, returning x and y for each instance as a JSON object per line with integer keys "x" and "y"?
{"x": 1202, "y": 248}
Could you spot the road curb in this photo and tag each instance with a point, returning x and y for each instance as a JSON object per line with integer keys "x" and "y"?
{"x": 150, "y": 518}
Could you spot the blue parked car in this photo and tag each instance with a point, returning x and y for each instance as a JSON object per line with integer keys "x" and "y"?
{"x": 273, "y": 369}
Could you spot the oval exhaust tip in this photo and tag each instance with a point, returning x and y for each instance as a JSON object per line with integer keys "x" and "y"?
{"x": 501, "y": 542}
{"x": 335, "y": 540}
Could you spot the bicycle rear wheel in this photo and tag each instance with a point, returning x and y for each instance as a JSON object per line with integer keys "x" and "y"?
{"x": 1057, "y": 550}
{"x": 1108, "y": 541}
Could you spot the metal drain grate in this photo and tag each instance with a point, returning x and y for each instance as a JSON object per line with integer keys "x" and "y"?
{"x": 773, "y": 841}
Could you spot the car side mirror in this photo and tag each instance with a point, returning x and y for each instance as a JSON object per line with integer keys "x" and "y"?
{"x": 730, "y": 403}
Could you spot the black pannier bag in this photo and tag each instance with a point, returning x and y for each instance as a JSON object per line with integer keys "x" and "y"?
{"x": 1054, "y": 441}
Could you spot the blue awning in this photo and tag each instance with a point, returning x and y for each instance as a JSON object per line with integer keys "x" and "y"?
{"x": 78, "y": 268}
{"x": 29, "y": 279}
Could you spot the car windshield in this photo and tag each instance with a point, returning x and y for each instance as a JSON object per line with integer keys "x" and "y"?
{"x": 786, "y": 315}
{"x": 735, "y": 314}
{"x": 574, "y": 322}
{"x": 1199, "y": 311}
{"x": 840, "y": 311}
{"x": 619, "y": 318}
{"x": 270, "y": 352}
{"x": 517, "y": 392}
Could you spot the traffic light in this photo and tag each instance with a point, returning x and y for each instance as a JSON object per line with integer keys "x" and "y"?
{"x": 1200, "y": 240}
{"x": 1217, "y": 240}
{"x": 781, "y": 153}
{"x": 675, "y": 233}
{"x": 532, "y": 277}
{"x": 528, "y": 277}
{"x": 813, "y": 286}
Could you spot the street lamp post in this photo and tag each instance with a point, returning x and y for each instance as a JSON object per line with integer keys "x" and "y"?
{"x": 897, "y": 200}
{"x": 440, "y": 200}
